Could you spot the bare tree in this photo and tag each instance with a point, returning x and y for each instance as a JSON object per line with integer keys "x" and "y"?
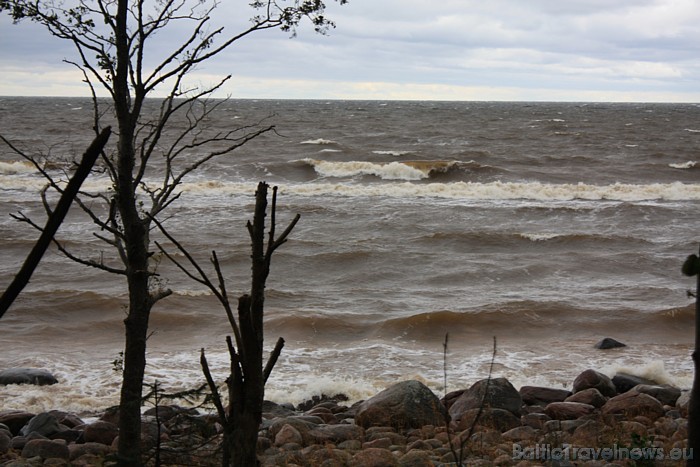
{"x": 112, "y": 40}
{"x": 247, "y": 378}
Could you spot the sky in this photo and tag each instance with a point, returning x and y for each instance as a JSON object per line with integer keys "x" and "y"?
{"x": 493, "y": 50}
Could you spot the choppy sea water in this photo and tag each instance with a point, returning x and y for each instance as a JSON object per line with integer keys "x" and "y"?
{"x": 545, "y": 225}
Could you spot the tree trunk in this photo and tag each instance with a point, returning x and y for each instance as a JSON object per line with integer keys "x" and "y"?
{"x": 691, "y": 267}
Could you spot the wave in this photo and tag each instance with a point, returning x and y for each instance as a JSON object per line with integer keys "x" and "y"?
{"x": 514, "y": 319}
{"x": 684, "y": 165}
{"x": 404, "y": 170}
{"x": 392, "y": 153}
{"x": 319, "y": 141}
{"x": 16, "y": 167}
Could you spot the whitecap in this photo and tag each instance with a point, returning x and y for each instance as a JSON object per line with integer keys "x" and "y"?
{"x": 683, "y": 165}
{"x": 318, "y": 141}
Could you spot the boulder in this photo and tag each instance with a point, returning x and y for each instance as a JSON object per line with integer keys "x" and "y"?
{"x": 27, "y": 376}
{"x": 93, "y": 449}
{"x": 335, "y": 433}
{"x": 15, "y": 419}
{"x": 624, "y": 382}
{"x": 5, "y": 442}
{"x": 408, "y": 404}
{"x": 667, "y": 395}
{"x": 100, "y": 432}
{"x": 568, "y": 410}
{"x": 375, "y": 457}
{"x": 609, "y": 343}
{"x": 288, "y": 434}
{"x": 500, "y": 420}
{"x": 44, "y": 424}
{"x": 590, "y": 396}
{"x": 594, "y": 379}
{"x": 46, "y": 449}
{"x": 683, "y": 402}
{"x": 495, "y": 393}
{"x": 632, "y": 404}
{"x": 536, "y": 395}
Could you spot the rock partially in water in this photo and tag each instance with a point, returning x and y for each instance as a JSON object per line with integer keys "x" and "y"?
{"x": 27, "y": 376}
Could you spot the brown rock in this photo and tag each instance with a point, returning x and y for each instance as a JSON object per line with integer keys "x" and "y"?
{"x": 15, "y": 419}
{"x": 535, "y": 420}
{"x": 382, "y": 443}
{"x": 521, "y": 433}
{"x": 498, "y": 419}
{"x": 568, "y": 410}
{"x": 590, "y": 396}
{"x": 100, "y": 432}
{"x": 46, "y": 449}
{"x": 632, "y": 404}
{"x": 335, "y": 433}
{"x": 416, "y": 458}
{"x": 288, "y": 434}
{"x": 667, "y": 395}
{"x": 408, "y": 404}
{"x": 593, "y": 379}
{"x": 93, "y": 449}
{"x": 5, "y": 442}
{"x": 537, "y": 395}
{"x": 495, "y": 393}
{"x": 375, "y": 457}
{"x": 624, "y": 382}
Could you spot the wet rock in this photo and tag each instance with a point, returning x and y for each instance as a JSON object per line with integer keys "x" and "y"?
{"x": 667, "y": 395}
{"x": 594, "y": 379}
{"x": 92, "y": 449}
{"x": 496, "y": 393}
{"x": 624, "y": 382}
{"x": 5, "y": 442}
{"x": 408, "y": 404}
{"x": 590, "y": 396}
{"x": 27, "y": 376}
{"x": 536, "y": 395}
{"x": 632, "y": 404}
{"x": 375, "y": 457}
{"x": 46, "y": 449}
{"x": 100, "y": 432}
{"x": 15, "y": 419}
{"x": 44, "y": 424}
{"x": 499, "y": 419}
{"x": 609, "y": 343}
{"x": 568, "y": 410}
{"x": 288, "y": 434}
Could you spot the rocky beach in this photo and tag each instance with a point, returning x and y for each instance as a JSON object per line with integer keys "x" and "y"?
{"x": 621, "y": 420}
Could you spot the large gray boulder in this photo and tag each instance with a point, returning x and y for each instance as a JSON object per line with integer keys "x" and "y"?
{"x": 495, "y": 393}
{"x": 27, "y": 376}
{"x": 594, "y": 379}
{"x": 408, "y": 404}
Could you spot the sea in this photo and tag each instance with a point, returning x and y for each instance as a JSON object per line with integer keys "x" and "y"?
{"x": 438, "y": 241}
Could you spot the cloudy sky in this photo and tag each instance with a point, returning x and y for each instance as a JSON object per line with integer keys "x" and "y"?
{"x": 516, "y": 50}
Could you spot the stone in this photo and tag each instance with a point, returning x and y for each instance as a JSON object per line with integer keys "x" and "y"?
{"x": 302, "y": 425}
{"x": 590, "y": 396}
{"x": 521, "y": 433}
{"x": 44, "y": 424}
{"x": 288, "y": 434}
{"x": 46, "y": 449}
{"x": 594, "y": 379}
{"x": 15, "y": 419}
{"x": 27, "y": 376}
{"x": 632, "y": 404}
{"x": 335, "y": 433}
{"x": 407, "y": 404}
{"x": 568, "y": 410}
{"x": 683, "y": 402}
{"x": 92, "y": 449}
{"x": 624, "y": 382}
{"x": 537, "y": 395}
{"x": 667, "y": 395}
{"x": 416, "y": 458}
{"x": 375, "y": 457}
{"x": 5, "y": 442}
{"x": 495, "y": 393}
{"x": 100, "y": 432}
{"x": 499, "y": 419}
{"x": 609, "y": 343}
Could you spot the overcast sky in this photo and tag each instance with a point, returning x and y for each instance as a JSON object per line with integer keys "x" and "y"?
{"x": 515, "y": 50}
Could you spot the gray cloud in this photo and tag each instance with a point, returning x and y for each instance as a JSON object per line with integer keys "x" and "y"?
{"x": 586, "y": 48}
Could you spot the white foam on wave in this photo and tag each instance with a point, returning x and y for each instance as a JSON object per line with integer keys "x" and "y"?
{"x": 390, "y": 171}
{"x": 16, "y": 167}
{"x": 320, "y": 141}
{"x": 540, "y": 237}
{"x": 683, "y": 165}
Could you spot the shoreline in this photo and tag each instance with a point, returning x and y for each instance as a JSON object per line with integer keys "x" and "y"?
{"x": 599, "y": 417}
